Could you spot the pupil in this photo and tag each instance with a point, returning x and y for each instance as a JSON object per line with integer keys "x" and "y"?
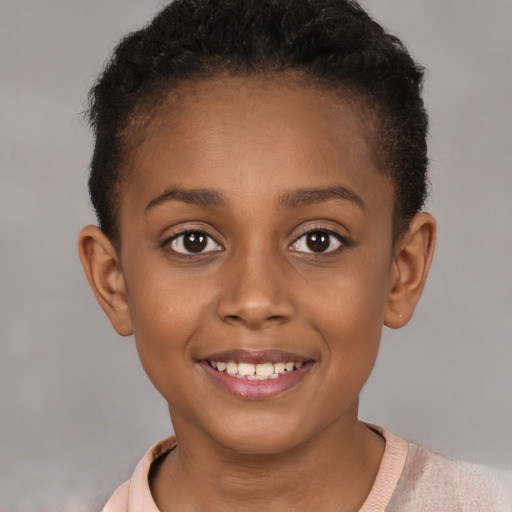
{"x": 194, "y": 242}
{"x": 318, "y": 242}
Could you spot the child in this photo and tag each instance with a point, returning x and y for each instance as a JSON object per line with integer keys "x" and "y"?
{"x": 259, "y": 175}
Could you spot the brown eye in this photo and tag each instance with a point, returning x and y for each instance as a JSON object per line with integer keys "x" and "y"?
{"x": 317, "y": 242}
{"x": 194, "y": 242}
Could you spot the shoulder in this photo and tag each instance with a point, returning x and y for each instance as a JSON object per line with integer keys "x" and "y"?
{"x": 119, "y": 500}
{"x": 431, "y": 481}
{"x": 135, "y": 494}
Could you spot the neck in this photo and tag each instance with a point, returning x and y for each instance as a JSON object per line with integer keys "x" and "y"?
{"x": 343, "y": 460}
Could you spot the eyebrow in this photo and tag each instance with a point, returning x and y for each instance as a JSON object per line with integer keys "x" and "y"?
{"x": 309, "y": 196}
{"x": 291, "y": 200}
{"x": 199, "y": 196}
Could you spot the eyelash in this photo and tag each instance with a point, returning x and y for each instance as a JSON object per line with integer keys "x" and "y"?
{"x": 168, "y": 242}
{"x": 343, "y": 242}
{"x": 176, "y": 237}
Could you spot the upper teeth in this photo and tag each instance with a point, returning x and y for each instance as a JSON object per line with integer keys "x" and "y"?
{"x": 260, "y": 371}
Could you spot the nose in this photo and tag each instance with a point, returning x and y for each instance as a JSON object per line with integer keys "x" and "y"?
{"x": 255, "y": 293}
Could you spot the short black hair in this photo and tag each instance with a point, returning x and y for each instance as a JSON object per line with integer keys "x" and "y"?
{"x": 335, "y": 43}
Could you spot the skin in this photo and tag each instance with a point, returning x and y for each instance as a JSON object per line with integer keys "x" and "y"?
{"x": 258, "y": 286}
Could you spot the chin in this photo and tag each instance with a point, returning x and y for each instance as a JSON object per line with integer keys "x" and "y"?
{"x": 266, "y": 438}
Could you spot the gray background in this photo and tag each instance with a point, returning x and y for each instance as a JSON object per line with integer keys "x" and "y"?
{"x": 76, "y": 410}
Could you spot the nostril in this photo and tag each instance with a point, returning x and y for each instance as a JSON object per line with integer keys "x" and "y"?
{"x": 254, "y": 322}
{"x": 233, "y": 319}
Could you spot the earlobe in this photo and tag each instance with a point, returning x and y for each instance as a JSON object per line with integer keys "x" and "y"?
{"x": 102, "y": 267}
{"x": 411, "y": 264}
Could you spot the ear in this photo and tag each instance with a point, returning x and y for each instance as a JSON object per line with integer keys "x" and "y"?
{"x": 411, "y": 263}
{"x": 103, "y": 270}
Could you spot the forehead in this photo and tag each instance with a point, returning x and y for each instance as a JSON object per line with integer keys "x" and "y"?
{"x": 235, "y": 133}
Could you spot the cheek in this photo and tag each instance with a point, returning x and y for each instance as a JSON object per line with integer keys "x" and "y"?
{"x": 164, "y": 300}
{"x": 347, "y": 307}
{"x": 354, "y": 296}
{"x": 165, "y": 313}
{"x": 352, "y": 329}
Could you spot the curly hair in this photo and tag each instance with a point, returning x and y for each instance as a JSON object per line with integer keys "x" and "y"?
{"x": 334, "y": 43}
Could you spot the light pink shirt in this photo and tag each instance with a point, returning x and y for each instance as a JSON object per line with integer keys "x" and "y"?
{"x": 410, "y": 479}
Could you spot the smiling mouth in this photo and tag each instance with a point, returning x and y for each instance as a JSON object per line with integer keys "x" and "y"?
{"x": 256, "y": 374}
{"x": 260, "y": 371}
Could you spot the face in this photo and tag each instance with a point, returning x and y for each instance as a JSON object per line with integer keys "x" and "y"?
{"x": 256, "y": 251}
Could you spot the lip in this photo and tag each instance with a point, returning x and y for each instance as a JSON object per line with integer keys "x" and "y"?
{"x": 256, "y": 389}
{"x": 256, "y": 356}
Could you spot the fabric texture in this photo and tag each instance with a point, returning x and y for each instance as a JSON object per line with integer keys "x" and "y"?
{"x": 410, "y": 479}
